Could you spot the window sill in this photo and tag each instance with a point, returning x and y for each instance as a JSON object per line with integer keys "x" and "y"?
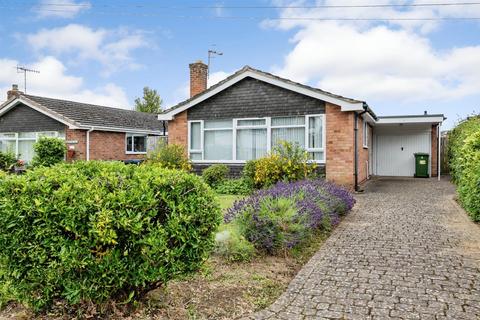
{"x": 135, "y": 152}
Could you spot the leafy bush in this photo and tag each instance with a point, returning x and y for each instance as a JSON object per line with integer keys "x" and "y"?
{"x": 170, "y": 156}
{"x": 287, "y": 162}
{"x": 7, "y": 160}
{"x": 215, "y": 174}
{"x": 248, "y": 173}
{"x": 286, "y": 215}
{"x": 48, "y": 151}
{"x": 231, "y": 245}
{"x": 464, "y": 155}
{"x": 91, "y": 231}
{"x": 234, "y": 186}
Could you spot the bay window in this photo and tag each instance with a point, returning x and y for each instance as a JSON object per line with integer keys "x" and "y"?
{"x": 21, "y": 143}
{"x": 136, "y": 143}
{"x": 239, "y": 140}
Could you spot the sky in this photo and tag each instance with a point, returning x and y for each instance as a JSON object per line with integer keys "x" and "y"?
{"x": 105, "y": 52}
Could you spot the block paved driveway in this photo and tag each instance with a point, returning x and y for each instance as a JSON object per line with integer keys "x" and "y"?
{"x": 406, "y": 251}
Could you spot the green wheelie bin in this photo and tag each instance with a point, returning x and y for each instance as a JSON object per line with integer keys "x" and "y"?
{"x": 421, "y": 165}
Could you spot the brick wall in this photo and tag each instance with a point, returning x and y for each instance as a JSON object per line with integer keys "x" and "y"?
{"x": 178, "y": 130}
{"x": 363, "y": 153}
{"x": 340, "y": 145}
{"x": 198, "y": 78}
{"x": 434, "y": 155}
{"x": 104, "y": 145}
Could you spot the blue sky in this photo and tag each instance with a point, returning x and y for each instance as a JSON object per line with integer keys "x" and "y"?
{"x": 106, "y": 51}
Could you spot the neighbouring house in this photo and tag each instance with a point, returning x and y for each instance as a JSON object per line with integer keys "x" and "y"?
{"x": 91, "y": 132}
{"x": 245, "y": 115}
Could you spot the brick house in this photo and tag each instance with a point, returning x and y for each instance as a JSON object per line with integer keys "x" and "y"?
{"x": 245, "y": 115}
{"x": 91, "y": 132}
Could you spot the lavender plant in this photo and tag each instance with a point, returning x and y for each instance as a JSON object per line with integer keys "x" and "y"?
{"x": 287, "y": 214}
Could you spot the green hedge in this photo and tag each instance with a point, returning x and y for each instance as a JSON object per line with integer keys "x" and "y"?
{"x": 92, "y": 231}
{"x": 49, "y": 151}
{"x": 464, "y": 155}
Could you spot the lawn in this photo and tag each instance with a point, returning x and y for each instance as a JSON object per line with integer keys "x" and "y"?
{"x": 227, "y": 200}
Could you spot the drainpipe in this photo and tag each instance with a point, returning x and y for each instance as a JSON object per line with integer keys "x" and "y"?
{"x": 355, "y": 149}
{"x": 88, "y": 143}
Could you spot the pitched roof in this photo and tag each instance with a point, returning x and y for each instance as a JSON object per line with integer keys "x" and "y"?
{"x": 85, "y": 115}
{"x": 248, "y": 71}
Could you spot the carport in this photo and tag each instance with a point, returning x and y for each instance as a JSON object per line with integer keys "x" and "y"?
{"x": 397, "y": 138}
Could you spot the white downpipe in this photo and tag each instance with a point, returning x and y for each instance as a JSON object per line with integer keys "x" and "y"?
{"x": 439, "y": 164}
{"x": 88, "y": 143}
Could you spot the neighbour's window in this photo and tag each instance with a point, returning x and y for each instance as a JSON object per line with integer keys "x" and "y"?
{"x": 240, "y": 140}
{"x": 136, "y": 143}
{"x": 365, "y": 133}
{"x": 21, "y": 143}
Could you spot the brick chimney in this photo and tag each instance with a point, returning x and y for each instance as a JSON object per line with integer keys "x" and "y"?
{"x": 198, "y": 77}
{"x": 14, "y": 93}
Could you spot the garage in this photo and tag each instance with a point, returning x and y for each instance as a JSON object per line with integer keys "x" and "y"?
{"x": 397, "y": 139}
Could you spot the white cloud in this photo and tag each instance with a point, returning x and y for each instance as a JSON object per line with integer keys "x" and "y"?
{"x": 112, "y": 48}
{"x": 60, "y": 8}
{"x": 375, "y": 61}
{"x": 53, "y": 81}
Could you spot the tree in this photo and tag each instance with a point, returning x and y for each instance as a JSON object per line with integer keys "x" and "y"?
{"x": 150, "y": 102}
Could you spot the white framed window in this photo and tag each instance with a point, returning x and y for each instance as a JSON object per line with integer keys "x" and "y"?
{"x": 135, "y": 143}
{"x": 21, "y": 143}
{"x": 365, "y": 133}
{"x": 240, "y": 140}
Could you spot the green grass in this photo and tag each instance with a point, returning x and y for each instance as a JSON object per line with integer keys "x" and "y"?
{"x": 227, "y": 200}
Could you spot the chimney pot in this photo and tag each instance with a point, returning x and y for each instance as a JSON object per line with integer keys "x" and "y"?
{"x": 198, "y": 77}
{"x": 425, "y": 112}
{"x": 14, "y": 92}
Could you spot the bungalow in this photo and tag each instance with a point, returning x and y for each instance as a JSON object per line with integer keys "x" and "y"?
{"x": 245, "y": 115}
{"x": 91, "y": 132}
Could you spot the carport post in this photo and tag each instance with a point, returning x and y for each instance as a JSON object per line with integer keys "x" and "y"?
{"x": 439, "y": 166}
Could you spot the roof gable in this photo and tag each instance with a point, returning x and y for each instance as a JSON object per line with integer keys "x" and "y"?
{"x": 346, "y": 104}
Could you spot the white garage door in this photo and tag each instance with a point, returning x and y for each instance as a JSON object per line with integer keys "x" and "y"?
{"x": 394, "y": 152}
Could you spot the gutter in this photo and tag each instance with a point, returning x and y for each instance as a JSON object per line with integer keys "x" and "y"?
{"x": 355, "y": 149}
{"x": 88, "y": 144}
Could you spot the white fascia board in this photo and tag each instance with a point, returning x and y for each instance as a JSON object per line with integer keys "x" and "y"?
{"x": 369, "y": 118}
{"x": 345, "y": 105}
{"x": 410, "y": 120}
{"x": 117, "y": 129}
{"x": 37, "y": 107}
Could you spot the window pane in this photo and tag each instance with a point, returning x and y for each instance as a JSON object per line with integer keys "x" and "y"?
{"x": 129, "y": 144}
{"x": 196, "y": 156}
{"x": 7, "y": 135}
{"x": 218, "y": 145}
{"x": 140, "y": 144}
{"x": 292, "y": 135}
{"x": 251, "y": 143}
{"x": 288, "y": 121}
{"x": 7, "y": 146}
{"x": 212, "y": 124}
{"x": 195, "y": 136}
{"x": 255, "y": 122}
{"x": 26, "y": 135}
{"x": 315, "y": 132}
{"x": 25, "y": 150}
{"x": 46, "y": 134}
{"x": 316, "y": 156}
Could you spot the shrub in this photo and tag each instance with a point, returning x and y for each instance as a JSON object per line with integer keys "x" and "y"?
{"x": 7, "y": 160}
{"x": 215, "y": 174}
{"x": 170, "y": 156}
{"x": 286, "y": 215}
{"x": 231, "y": 245}
{"x": 234, "y": 186}
{"x": 48, "y": 151}
{"x": 287, "y": 162}
{"x": 248, "y": 173}
{"x": 91, "y": 231}
{"x": 464, "y": 155}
